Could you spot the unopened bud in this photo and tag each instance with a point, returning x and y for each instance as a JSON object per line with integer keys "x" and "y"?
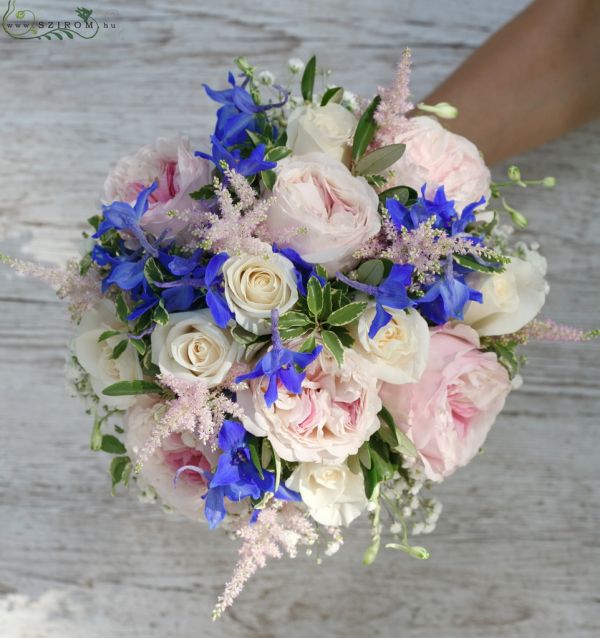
{"x": 441, "y": 109}
{"x": 514, "y": 174}
{"x": 549, "y": 182}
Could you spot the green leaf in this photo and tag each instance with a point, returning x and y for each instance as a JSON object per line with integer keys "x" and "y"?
{"x": 160, "y": 315}
{"x": 371, "y": 272}
{"x": 344, "y": 336}
{"x": 118, "y": 467}
{"x": 96, "y": 439}
{"x": 333, "y": 94}
{"x": 379, "y": 159}
{"x": 469, "y": 262}
{"x": 365, "y": 130}
{"x": 126, "y": 388}
{"x": 277, "y": 469}
{"x": 294, "y": 319}
{"x": 309, "y": 345}
{"x": 139, "y": 345}
{"x": 401, "y": 443}
{"x": 291, "y": 333}
{"x": 404, "y": 194}
{"x": 364, "y": 455}
{"x": 308, "y": 79}
{"x": 206, "y": 192}
{"x": 268, "y": 179}
{"x": 254, "y": 446}
{"x": 243, "y": 336}
{"x": 112, "y": 445}
{"x": 277, "y": 153}
{"x": 107, "y": 334}
{"x": 321, "y": 271}
{"x": 332, "y": 342}
{"x": 347, "y": 314}
{"x": 152, "y": 271}
{"x": 122, "y": 308}
{"x": 327, "y": 302}
{"x": 314, "y": 297}
{"x": 119, "y": 349}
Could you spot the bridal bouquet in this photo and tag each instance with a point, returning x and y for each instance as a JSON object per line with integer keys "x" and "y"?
{"x": 314, "y": 318}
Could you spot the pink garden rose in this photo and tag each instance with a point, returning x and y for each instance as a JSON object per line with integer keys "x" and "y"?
{"x": 176, "y": 451}
{"x": 448, "y": 413}
{"x": 436, "y": 157}
{"x": 178, "y": 171}
{"x": 333, "y": 212}
{"x": 335, "y": 414}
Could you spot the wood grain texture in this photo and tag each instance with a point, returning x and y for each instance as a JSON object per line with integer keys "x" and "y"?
{"x": 516, "y": 552}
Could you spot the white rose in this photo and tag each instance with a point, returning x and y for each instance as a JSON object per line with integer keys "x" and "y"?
{"x": 191, "y": 345}
{"x": 333, "y": 212}
{"x": 328, "y": 129}
{"x": 255, "y": 285}
{"x": 511, "y": 298}
{"x": 333, "y": 494}
{"x": 398, "y": 352}
{"x": 95, "y": 357}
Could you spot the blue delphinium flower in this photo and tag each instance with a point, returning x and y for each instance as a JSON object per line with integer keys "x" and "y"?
{"x": 391, "y": 292}
{"x": 236, "y": 477}
{"x": 246, "y": 166}
{"x": 281, "y": 364}
{"x": 215, "y": 299}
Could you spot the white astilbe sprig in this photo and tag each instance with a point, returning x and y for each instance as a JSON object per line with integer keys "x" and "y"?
{"x": 194, "y": 409}
{"x": 83, "y": 291}
{"x": 280, "y": 528}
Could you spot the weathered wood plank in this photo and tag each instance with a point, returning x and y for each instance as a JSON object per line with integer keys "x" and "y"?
{"x": 516, "y": 551}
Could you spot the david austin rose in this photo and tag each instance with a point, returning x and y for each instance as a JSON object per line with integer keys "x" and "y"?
{"x": 398, "y": 352}
{"x": 95, "y": 357}
{"x": 326, "y": 129}
{"x": 333, "y": 212}
{"x": 335, "y": 414}
{"x": 436, "y": 157}
{"x": 511, "y": 298}
{"x": 333, "y": 494}
{"x": 192, "y": 346}
{"x": 449, "y": 412}
{"x": 172, "y": 163}
{"x": 255, "y": 285}
{"x": 160, "y": 469}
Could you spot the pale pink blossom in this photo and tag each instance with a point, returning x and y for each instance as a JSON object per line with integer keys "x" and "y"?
{"x": 448, "y": 413}
{"x": 437, "y": 157}
{"x": 178, "y": 172}
{"x": 332, "y": 417}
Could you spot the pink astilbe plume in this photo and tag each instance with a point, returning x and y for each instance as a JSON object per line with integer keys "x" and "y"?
{"x": 83, "y": 291}
{"x": 195, "y": 409}
{"x": 237, "y": 226}
{"x": 548, "y": 330}
{"x": 280, "y": 528}
{"x": 395, "y": 104}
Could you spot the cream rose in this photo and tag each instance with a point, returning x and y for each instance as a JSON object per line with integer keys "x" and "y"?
{"x": 332, "y": 493}
{"x": 255, "y": 285}
{"x": 191, "y": 345}
{"x": 511, "y": 298}
{"x": 332, "y": 417}
{"x": 95, "y": 357}
{"x": 398, "y": 352}
{"x": 436, "y": 157}
{"x": 333, "y": 212}
{"x": 327, "y": 129}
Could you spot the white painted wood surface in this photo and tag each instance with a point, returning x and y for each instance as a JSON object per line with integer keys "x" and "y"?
{"x": 516, "y": 552}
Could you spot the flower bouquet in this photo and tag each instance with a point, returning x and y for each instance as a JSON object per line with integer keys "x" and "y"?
{"x": 314, "y": 318}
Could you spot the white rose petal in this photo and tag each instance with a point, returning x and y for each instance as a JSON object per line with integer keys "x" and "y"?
{"x": 255, "y": 285}
{"x": 327, "y": 129}
{"x": 511, "y": 299}
{"x": 96, "y": 357}
{"x": 333, "y": 494}
{"x": 398, "y": 353}
{"x": 191, "y": 345}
